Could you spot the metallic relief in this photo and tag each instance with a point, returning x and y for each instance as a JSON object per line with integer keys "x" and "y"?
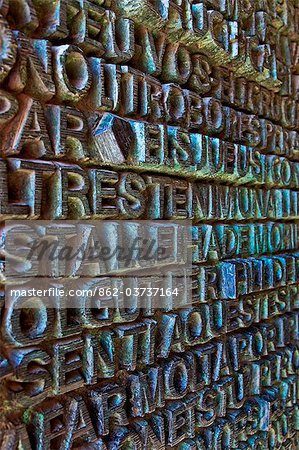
{"x": 149, "y": 202}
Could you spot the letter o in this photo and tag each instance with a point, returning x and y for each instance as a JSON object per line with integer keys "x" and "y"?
{"x": 176, "y": 379}
{"x": 213, "y": 114}
{"x": 28, "y": 320}
{"x": 9, "y": 107}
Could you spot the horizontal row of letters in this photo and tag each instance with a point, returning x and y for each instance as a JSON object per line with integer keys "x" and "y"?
{"x": 39, "y": 67}
{"x": 50, "y": 190}
{"x": 213, "y": 380}
{"x": 120, "y": 39}
{"x": 226, "y": 280}
{"x": 278, "y": 427}
{"x": 69, "y": 364}
{"x": 207, "y": 243}
{"x": 90, "y": 85}
{"x": 175, "y": 329}
{"x": 64, "y": 133}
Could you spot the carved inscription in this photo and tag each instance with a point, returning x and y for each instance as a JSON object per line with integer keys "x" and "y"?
{"x": 161, "y": 115}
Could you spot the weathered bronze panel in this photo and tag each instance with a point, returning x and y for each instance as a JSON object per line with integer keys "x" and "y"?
{"x": 149, "y": 203}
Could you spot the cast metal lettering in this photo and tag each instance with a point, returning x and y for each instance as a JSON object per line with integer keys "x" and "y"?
{"x": 173, "y": 121}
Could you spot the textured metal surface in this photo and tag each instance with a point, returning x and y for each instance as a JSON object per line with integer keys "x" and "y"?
{"x": 153, "y": 110}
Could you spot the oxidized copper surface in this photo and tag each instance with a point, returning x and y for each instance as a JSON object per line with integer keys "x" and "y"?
{"x": 176, "y": 121}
